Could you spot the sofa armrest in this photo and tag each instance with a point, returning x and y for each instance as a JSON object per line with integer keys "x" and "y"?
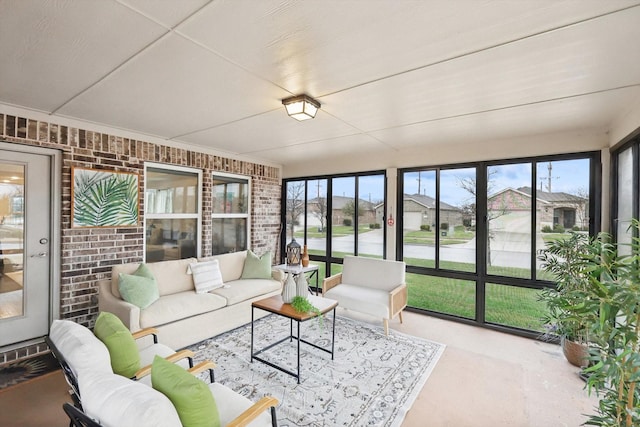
{"x": 128, "y": 313}
{"x": 331, "y": 282}
{"x": 278, "y": 275}
{"x": 398, "y": 299}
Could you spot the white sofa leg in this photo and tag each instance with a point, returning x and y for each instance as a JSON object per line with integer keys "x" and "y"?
{"x": 386, "y": 326}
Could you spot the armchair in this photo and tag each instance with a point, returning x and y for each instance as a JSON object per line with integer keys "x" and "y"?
{"x": 77, "y": 349}
{"x": 110, "y": 400}
{"x": 369, "y": 285}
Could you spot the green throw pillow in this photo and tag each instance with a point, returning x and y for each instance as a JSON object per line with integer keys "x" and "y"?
{"x": 257, "y": 267}
{"x": 191, "y": 397}
{"x": 125, "y": 359}
{"x": 139, "y": 288}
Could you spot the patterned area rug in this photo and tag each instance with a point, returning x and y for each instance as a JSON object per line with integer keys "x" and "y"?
{"x": 16, "y": 372}
{"x": 373, "y": 380}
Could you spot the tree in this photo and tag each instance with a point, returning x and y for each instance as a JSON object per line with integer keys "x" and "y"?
{"x": 349, "y": 209}
{"x": 493, "y": 210}
{"x": 294, "y": 203}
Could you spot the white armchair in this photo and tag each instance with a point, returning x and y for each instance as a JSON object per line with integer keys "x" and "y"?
{"x": 371, "y": 286}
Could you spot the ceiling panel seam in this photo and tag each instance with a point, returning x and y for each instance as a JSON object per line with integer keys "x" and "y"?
{"x": 480, "y": 50}
{"x": 168, "y": 32}
{"x": 509, "y": 107}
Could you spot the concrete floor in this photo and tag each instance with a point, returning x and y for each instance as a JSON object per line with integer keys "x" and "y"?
{"x": 483, "y": 379}
{"x": 487, "y": 378}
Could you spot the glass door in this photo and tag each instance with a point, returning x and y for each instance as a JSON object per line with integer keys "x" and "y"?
{"x": 25, "y": 213}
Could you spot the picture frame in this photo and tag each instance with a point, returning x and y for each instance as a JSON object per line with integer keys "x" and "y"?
{"x": 102, "y": 198}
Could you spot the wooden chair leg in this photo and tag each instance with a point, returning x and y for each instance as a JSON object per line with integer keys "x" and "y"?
{"x": 386, "y": 326}
{"x": 400, "y": 314}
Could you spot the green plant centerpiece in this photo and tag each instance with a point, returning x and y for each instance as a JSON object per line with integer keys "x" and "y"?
{"x": 302, "y": 305}
{"x": 598, "y": 299}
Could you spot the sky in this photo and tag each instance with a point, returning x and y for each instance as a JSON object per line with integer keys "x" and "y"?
{"x": 569, "y": 176}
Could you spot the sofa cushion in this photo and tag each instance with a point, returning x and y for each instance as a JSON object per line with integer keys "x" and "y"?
{"x": 373, "y": 273}
{"x": 242, "y": 290}
{"x": 231, "y": 264}
{"x": 171, "y": 276}
{"x": 170, "y": 308}
{"x": 82, "y": 350}
{"x": 191, "y": 397}
{"x": 231, "y": 404}
{"x": 256, "y": 267}
{"x": 139, "y": 288}
{"x": 125, "y": 358}
{"x": 206, "y": 276}
{"x": 115, "y": 401}
{"x": 365, "y": 300}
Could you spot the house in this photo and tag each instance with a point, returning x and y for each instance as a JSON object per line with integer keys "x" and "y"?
{"x": 420, "y": 209}
{"x": 552, "y": 208}
{"x": 195, "y": 89}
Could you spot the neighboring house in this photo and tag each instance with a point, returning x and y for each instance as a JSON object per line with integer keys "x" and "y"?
{"x": 367, "y": 213}
{"x": 552, "y": 208}
{"x": 421, "y": 210}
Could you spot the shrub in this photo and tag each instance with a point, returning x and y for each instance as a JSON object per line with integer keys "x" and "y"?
{"x": 347, "y": 222}
{"x": 575, "y": 228}
{"x": 425, "y": 227}
{"x": 459, "y": 228}
{"x": 558, "y": 228}
{"x": 546, "y": 229}
{"x": 374, "y": 226}
{"x": 444, "y": 226}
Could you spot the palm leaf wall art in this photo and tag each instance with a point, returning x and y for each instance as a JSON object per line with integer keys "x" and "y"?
{"x": 103, "y": 198}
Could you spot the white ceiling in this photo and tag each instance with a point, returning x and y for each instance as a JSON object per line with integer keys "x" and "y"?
{"x": 391, "y": 75}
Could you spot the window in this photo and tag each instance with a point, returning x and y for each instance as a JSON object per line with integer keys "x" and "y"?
{"x": 335, "y": 216}
{"x": 626, "y": 206}
{"x": 230, "y": 213}
{"x": 172, "y": 212}
{"x": 471, "y": 234}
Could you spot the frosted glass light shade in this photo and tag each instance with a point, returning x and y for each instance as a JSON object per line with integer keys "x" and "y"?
{"x": 301, "y": 107}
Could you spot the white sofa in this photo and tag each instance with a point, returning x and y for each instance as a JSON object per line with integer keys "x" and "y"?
{"x": 368, "y": 285}
{"x": 182, "y": 316}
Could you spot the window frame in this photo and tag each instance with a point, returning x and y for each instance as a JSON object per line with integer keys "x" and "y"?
{"x": 197, "y": 216}
{"x": 246, "y": 215}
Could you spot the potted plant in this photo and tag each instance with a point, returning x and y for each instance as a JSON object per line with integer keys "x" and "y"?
{"x": 599, "y": 294}
{"x": 564, "y": 260}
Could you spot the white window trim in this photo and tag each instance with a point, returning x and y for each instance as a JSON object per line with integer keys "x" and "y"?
{"x": 235, "y": 215}
{"x": 197, "y": 216}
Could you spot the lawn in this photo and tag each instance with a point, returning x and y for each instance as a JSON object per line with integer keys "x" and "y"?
{"x": 422, "y": 237}
{"x": 505, "y": 305}
{"x": 337, "y": 231}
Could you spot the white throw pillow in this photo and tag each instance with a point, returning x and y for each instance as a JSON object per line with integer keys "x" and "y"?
{"x": 206, "y": 276}
{"x": 82, "y": 350}
{"x": 116, "y": 401}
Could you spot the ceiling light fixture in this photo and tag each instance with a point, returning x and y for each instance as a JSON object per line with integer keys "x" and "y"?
{"x": 301, "y": 107}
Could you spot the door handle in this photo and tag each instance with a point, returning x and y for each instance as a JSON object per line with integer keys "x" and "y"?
{"x": 39, "y": 255}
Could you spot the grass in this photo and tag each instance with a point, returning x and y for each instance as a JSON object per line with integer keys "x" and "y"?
{"x": 337, "y": 231}
{"x": 421, "y": 237}
{"x": 504, "y": 305}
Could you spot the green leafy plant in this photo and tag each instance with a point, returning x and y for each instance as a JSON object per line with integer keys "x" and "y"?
{"x": 564, "y": 259}
{"x": 302, "y": 305}
{"x": 598, "y": 297}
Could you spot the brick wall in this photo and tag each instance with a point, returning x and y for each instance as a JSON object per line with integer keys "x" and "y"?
{"x": 87, "y": 254}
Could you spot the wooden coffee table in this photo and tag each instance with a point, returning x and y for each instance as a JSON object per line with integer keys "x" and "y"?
{"x": 277, "y": 306}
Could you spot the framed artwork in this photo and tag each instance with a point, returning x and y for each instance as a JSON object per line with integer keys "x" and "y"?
{"x": 102, "y": 198}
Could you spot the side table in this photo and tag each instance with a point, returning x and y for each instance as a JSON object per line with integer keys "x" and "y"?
{"x": 299, "y": 269}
